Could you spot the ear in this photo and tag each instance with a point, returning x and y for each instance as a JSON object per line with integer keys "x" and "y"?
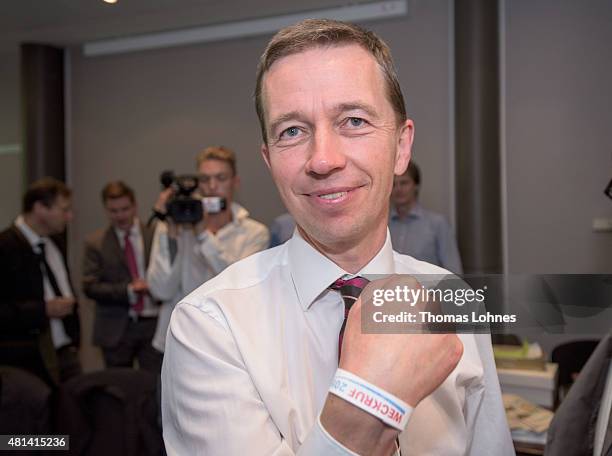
{"x": 265, "y": 153}
{"x": 39, "y": 207}
{"x": 404, "y": 147}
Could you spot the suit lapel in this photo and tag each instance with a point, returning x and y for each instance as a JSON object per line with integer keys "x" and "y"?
{"x": 607, "y": 444}
{"x": 21, "y": 239}
{"x": 32, "y": 260}
{"x": 111, "y": 241}
{"x": 112, "y": 248}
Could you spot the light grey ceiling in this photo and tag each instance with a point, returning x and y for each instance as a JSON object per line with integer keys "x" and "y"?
{"x": 72, "y": 22}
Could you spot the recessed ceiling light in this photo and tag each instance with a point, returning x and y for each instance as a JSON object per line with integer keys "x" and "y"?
{"x": 110, "y": 1}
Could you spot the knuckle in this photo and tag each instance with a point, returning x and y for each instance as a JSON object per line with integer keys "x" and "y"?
{"x": 457, "y": 348}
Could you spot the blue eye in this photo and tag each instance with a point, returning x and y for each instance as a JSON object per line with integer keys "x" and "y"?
{"x": 356, "y": 121}
{"x": 291, "y": 132}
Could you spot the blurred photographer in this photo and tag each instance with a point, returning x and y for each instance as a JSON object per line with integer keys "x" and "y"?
{"x": 185, "y": 255}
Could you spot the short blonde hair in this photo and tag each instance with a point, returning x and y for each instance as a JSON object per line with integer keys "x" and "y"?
{"x": 220, "y": 153}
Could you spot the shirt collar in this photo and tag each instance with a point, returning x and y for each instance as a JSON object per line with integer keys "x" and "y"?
{"x": 415, "y": 212}
{"x": 239, "y": 213}
{"x": 32, "y": 237}
{"x": 134, "y": 229}
{"x": 312, "y": 272}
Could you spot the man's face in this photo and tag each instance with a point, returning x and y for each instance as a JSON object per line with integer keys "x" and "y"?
{"x": 121, "y": 212}
{"x": 54, "y": 219}
{"x": 404, "y": 190}
{"x": 333, "y": 142}
{"x": 217, "y": 179}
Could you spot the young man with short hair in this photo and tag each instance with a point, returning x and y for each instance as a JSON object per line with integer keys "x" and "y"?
{"x": 185, "y": 256}
{"x": 114, "y": 268}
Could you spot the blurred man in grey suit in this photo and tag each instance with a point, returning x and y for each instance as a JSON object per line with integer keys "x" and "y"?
{"x": 114, "y": 267}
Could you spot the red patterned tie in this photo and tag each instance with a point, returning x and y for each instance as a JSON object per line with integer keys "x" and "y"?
{"x": 350, "y": 289}
{"x": 130, "y": 259}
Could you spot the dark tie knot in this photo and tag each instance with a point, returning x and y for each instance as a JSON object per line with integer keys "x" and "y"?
{"x": 350, "y": 289}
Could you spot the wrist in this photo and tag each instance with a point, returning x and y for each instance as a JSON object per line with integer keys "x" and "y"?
{"x": 372, "y": 399}
{"x": 356, "y": 429}
{"x": 201, "y": 236}
{"x": 131, "y": 294}
{"x": 159, "y": 213}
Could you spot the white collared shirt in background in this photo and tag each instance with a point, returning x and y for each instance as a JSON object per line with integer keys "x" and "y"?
{"x": 250, "y": 356}
{"x": 197, "y": 260}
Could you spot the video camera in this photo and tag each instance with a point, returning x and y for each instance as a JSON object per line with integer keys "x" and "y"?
{"x": 184, "y": 208}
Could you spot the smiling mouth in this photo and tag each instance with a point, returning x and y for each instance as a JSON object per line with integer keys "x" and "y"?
{"x": 332, "y": 196}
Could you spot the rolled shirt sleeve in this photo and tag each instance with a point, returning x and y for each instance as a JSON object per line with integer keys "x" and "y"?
{"x": 233, "y": 245}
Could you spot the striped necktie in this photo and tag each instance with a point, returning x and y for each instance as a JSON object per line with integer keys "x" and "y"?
{"x": 350, "y": 289}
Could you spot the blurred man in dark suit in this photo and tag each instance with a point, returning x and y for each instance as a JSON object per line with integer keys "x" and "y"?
{"x": 115, "y": 262}
{"x": 39, "y": 324}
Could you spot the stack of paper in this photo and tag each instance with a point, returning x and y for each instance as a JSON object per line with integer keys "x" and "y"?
{"x": 527, "y": 421}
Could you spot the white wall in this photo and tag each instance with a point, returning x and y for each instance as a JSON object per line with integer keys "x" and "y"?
{"x": 559, "y": 147}
{"x": 558, "y": 143}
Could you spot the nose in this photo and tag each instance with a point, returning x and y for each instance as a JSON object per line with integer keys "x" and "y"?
{"x": 208, "y": 187}
{"x": 326, "y": 153}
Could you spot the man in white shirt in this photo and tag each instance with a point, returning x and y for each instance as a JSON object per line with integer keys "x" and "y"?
{"x": 252, "y": 354}
{"x": 185, "y": 256}
{"x": 114, "y": 268}
{"x": 39, "y": 323}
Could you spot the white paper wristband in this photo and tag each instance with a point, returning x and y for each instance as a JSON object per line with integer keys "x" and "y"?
{"x": 372, "y": 399}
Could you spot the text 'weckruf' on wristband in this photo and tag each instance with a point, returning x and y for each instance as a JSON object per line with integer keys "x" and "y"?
{"x": 370, "y": 398}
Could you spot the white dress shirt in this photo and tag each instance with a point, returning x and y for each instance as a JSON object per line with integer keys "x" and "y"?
{"x": 250, "y": 356}
{"x": 56, "y": 262}
{"x": 150, "y": 309}
{"x": 197, "y": 260}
